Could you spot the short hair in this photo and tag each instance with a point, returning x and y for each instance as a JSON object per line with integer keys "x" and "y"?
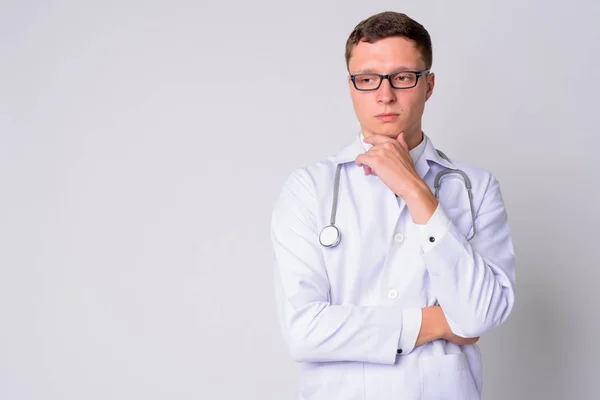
{"x": 389, "y": 24}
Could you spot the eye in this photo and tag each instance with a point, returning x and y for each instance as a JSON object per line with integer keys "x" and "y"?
{"x": 366, "y": 81}
{"x": 404, "y": 77}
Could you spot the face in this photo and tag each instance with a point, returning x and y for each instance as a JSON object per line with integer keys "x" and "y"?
{"x": 386, "y": 56}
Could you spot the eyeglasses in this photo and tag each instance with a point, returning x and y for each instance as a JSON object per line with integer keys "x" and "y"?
{"x": 398, "y": 80}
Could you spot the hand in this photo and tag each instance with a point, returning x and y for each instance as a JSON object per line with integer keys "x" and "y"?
{"x": 451, "y": 337}
{"x": 390, "y": 160}
{"x": 434, "y": 326}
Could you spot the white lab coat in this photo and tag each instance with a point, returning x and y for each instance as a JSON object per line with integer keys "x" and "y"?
{"x": 345, "y": 311}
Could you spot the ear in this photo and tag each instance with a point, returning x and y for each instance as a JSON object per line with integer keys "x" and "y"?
{"x": 430, "y": 85}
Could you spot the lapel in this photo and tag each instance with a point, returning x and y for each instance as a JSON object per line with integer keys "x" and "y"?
{"x": 430, "y": 156}
{"x": 350, "y": 152}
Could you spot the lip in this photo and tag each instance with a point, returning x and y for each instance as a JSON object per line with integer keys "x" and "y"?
{"x": 388, "y": 117}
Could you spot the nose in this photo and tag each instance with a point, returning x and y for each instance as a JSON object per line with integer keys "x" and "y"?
{"x": 386, "y": 93}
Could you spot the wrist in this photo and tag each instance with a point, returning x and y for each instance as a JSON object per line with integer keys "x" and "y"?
{"x": 442, "y": 329}
{"x": 421, "y": 202}
{"x": 418, "y": 191}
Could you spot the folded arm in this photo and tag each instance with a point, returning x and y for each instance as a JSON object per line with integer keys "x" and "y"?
{"x": 472, "y": 280}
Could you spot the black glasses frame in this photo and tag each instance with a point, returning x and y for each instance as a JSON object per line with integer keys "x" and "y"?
{"x": 389, "y": 78}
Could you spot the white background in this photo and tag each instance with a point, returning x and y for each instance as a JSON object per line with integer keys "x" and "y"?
{"x": 143, "y": 143}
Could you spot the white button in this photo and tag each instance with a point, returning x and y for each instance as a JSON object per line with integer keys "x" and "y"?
{"x": 399, "y": 237}
{"x": 392, "y": 294}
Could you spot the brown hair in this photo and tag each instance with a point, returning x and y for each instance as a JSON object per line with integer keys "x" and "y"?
{"x": 389, "y": 24}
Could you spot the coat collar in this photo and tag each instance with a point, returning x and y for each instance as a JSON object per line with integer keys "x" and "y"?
{"x": 430, "y": 155}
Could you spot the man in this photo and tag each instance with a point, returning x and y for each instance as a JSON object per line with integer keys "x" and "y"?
{"x": 392, "y": 311}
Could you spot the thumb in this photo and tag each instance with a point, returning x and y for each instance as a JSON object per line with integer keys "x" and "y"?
{"x": 400, "y": 138}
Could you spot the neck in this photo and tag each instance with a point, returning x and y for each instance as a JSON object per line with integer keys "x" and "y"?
{"x": 413, "y": 140}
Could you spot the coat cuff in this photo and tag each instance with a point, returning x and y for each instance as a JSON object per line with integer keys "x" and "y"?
{"x": 411, "y": 326}
{"x": 434, "y": 230}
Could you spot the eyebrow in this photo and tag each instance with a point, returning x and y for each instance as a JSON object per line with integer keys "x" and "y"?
{"x": 372, "y": 71}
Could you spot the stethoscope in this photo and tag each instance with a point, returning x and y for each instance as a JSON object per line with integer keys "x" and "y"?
{"x": 330, "y": 235}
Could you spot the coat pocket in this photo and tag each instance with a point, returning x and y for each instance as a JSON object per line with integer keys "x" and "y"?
{"x": 332, "y": 381}
{"x": 447, "y": 377}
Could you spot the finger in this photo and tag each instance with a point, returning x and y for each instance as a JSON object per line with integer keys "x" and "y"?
{"x": 402, "y": 141}
{"x": 365, "y": 159}
{"x": 378, "y": 139}
{"x": 370, "y": 171}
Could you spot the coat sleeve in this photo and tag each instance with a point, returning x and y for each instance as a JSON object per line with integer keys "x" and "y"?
{"x": 474, "y": 281}
{"x": 313, "y": 328}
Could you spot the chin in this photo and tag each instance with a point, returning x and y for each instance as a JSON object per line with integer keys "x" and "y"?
{"x": 390, "y": 130}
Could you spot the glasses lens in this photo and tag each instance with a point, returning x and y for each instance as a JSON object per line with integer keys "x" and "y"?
{"x": 403, "y": 80}
{"x": 366, "y": 82}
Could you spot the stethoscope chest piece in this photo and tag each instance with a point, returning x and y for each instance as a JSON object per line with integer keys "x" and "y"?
{"x": 329, "y": 236}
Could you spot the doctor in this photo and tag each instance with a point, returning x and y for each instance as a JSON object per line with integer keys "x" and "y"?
{"x": 394, "y": 310}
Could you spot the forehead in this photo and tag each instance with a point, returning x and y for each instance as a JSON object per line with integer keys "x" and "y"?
{"x": 386, "y": 55}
